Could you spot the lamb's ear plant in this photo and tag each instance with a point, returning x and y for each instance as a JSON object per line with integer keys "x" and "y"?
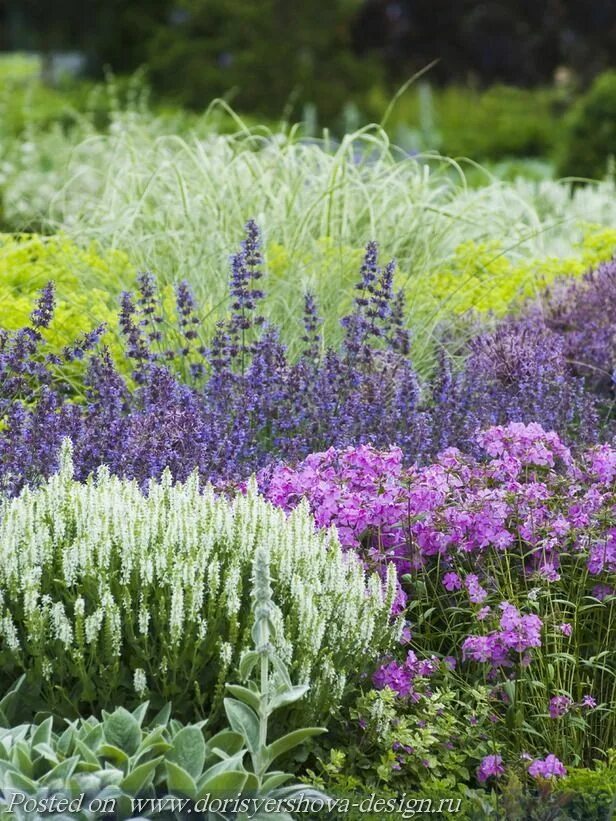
{"x": 268, "y": 688}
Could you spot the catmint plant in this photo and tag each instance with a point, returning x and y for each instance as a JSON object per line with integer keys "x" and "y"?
{"x": 237, "y": 402}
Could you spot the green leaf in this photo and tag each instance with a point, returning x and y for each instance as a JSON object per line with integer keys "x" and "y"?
{"x": 122, "y": 730}
{"x": 230, "y": 782}
{"x": 7, "y": 767}
{"x": 62, "y": 771}
{"x": 8, "y": 701}
{"x": 288, "y": 696}
{"x": 243, "y": 720}
{"x": 188, "y": 750}
{"x": 154, "y": 742}
{"x": 275, "y": 780}
{"x": 234, "y": 762}
{"x": 252, "y": 784}
{"x": 247, "y": 663}
{"x": 93, "y": 736}
{"x": 291, "y": 740}
{"x": 226, "y": 741}
{"x": 179, "y": 781}
{"x": 162, "y": 716}
{"x": 247, "y": 696}
{"x": 65, "y": 740}
{"x": 281, "y": 671}
{"x": 42, "y": 734}
{"x": 140, "y": 777}
{"x": 17, "y": 781}
{"x": 140, "y": 711}
{"x": 21, "y": 758}
{"x": 114, "y": 753}
{"x": 86, "y": 753}
{"x": 47, "y": 752}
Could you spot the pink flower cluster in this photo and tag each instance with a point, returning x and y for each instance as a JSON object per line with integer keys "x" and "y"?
{"x": 520, "y": 444}
{"x": 360, "y": 490}
{"x": 491, "y": 767}
{"x": 516, "y": 636}
{"x": 548, "y": 767}
{"x": 401, "y": 677}
{"x": 528, "y": 497}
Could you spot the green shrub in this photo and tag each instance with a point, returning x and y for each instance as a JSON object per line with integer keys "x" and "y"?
{"x": 105, "y": 590}
{"x": 485, "y": 277}
{"x": 591, "y": 794}
{"x": 435, "y": 740}
{"x": 589, "y": 135}
{"x": 499, "y": 122}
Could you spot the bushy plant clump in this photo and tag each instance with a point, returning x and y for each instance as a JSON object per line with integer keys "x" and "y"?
{"x": 108, "y": 594}
{"x": 509, "y": 565}
{"x": 582, "y": 314}
{"x": 87, "y": 283}
{"x": 236, "y": 404}
{"x": 483, "y": 276}
{"x": 589, "y": 135}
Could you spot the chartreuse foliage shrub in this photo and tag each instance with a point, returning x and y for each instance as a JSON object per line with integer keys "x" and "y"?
{"x": 105, "y": 764}
{"x": 485, "y": 277}
{"x": 109, "y": 595}
{"x": 87, "y": 281}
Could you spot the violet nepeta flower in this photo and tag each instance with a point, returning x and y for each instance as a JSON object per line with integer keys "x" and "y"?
{"x": 42, "y": 315}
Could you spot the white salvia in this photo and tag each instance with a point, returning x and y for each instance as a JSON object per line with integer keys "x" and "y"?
{"x": 144, "y": 618}
{"x": 8, "y": 632}
{"x": 30, "y": 590}
{"x": 92, "y": 625}
{"x": 232, "y": 583}
{"x": 113, "y": 622}
{"x": 226, "y": 653}
{"x": 61, "y": 626}
{"x": 213, "y": 578}
{"x": 140, "y": 682}
{"x": 189, "y": 548}
{"x": 176, "y": 616}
